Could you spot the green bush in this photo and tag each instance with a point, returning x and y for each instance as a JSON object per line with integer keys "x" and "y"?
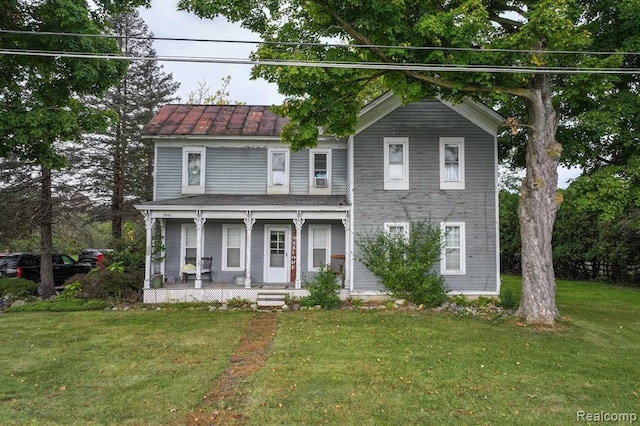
{"x": 238, "y": 302}
{"x": 405, "y": 264}
{"x": 109, "y": 285}
{"x": 61, "y": 305}
{"x": 507, "y": 299}
{"x": 17, "y": 288}
{"x": 323, "y": 290}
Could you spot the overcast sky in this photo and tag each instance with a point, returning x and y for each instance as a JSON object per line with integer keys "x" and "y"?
{"x": 164, "y": 20}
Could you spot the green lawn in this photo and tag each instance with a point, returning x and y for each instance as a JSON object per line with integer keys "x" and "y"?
{"x": 328, "y": 367}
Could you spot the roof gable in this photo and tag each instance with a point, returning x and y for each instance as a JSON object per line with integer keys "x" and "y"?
{"x": 214, "y": 120}
{"x": 479, "y": 114}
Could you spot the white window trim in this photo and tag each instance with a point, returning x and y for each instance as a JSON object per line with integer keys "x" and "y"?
{"x": 242, "y": 247}
{"x": 327, "y": 260}
{"x": 183, "y": 239}
{"x": 192, "y": 189}
{"x": 396, "y": 184}
{"x": 404, "y": 225}
{"x": 277, "y": 189}
{"x": 446, "y": 184}
{"x": 463, "y": 250}
{"x": 312, "y": 183}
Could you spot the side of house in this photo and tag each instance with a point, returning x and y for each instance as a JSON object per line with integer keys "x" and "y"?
{"x": 430, "y": 161}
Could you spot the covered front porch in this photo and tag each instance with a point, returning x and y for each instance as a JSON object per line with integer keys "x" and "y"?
{"x": 242, "y": 246}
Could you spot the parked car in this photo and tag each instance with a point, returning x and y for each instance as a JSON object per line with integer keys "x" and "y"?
{"x": 27, "y": 265}
{"x": 92, "y": 256}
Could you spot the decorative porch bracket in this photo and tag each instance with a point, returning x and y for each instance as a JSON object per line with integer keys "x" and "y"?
{"x": 298, "y": 222}
{"x": 249, "y": 221}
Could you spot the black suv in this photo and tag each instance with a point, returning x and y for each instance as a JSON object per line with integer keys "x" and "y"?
{"x": 27, "y": 265}
{"x": 93, "y": 257}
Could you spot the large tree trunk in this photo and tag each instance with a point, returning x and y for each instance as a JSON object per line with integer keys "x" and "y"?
{"x": 117, "y": 196}
{"x": 46, "y": 286}
{"x": 538, "y": 206}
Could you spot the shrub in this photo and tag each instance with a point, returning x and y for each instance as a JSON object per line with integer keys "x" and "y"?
{"x": 405, "y": 263}
{"x": 238, "y": 302}
{"x": 109, "y": 285}
{"x": 61, "y": 305}
{"x": 323, "y": 290}
{"x": 507, "y": 299}
{"x": 17, "y": 288}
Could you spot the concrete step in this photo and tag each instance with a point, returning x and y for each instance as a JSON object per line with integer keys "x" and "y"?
{"x": 271, "y": 300}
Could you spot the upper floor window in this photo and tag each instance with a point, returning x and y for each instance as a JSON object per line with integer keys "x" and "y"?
{"x": 396, "y": 163}
{"x": 233, "y": 244}
{"x": 193, "y": 169}
{"x": 278, "y": 170}
{"x": 453, "y": 250}
{"x": 319, "y": 246}
{"x": 320, "y": 171}
{"x": 451, "y": 163}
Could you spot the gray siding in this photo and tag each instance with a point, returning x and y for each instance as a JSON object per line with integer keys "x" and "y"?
{"x": 424, "y": 123}
{"x": 241, "y": 171}
{"x": 213, "y": 246}
{"x": 168, "y": 182}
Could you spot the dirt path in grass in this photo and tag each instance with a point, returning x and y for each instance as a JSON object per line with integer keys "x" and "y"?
{"x": 220, "y": 405}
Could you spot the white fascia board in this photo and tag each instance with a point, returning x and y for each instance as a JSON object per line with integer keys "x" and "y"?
{"x": 479, "y": 114}
{"x": 377, "y": 109}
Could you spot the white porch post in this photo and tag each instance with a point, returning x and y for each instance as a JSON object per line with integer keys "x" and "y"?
{"x": 347, "y": 251}
{"x": 149, "y": 222}
{"x": 199, "y": 220}
{"x": 249, "y": 221}
{"x": 163, "y": 234}
{"x": 298, "y": 222}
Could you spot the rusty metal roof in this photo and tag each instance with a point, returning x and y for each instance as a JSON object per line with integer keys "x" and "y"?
{"x": 214, "y": 120}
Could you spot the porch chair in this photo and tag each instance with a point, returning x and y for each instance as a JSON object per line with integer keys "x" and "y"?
{"x": 205, "y": 269}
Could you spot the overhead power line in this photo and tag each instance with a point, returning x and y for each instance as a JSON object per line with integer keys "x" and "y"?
{"x": 335, "y": 45}
{"x": 321, "y": 64}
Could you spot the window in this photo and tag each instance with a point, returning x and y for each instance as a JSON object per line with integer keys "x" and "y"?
{"x": 278, "y": 167}
{"x": 397, "y": 229}
{"x": 193, "y": 170}
{"x": 233, "y": 244}
{"x": 320, "y": 171}
{"x": 451, "y": 163}
{"x": 453, "y": 250}
{"x": 189, "y": 237}
{"x": 396, "y": 163}
{"x": 319, "y": 246}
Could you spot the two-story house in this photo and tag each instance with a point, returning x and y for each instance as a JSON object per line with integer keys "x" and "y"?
{"x": 239, "y": 213}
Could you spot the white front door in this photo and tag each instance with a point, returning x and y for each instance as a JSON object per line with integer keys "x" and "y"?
{"x": 277, "y": 250}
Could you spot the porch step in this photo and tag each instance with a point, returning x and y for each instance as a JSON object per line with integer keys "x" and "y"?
{"x": 271, "y": 300}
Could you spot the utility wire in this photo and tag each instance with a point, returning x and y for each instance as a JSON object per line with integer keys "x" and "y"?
{"x": 337, "y": 45}
{"x": 320, "y": 64}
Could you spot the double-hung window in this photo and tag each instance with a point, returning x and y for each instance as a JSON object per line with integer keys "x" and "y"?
{"x": 320, "y": 171}
{"x": 189, "y": 241}
{"x": 278, "y": 171}
{"x": 451, "y": 163}
{"x": 453, "y": 250}
{"x": 319, "y": 246}
{"x": 396, "y": 163}
{"x": 193, "y": 169}
{"x": 233, "y": 247}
